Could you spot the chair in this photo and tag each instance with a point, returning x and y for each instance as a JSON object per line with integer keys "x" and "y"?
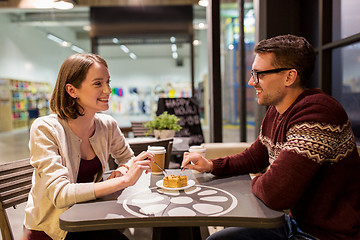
{"x": 15, "y": 184}
{"x": 138, "y": 147}
{"x": 126, "y": 131}
{"x": 140, "y": 130}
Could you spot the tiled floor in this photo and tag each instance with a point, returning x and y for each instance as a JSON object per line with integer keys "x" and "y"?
{"x": 14, "y": 145}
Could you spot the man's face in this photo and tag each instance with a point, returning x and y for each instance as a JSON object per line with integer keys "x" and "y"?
{"x": 271, "y": 89}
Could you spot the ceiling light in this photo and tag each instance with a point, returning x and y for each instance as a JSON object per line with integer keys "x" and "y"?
{"x": 124, "y": 48}
{"x": 200, "y": 26}
{"x": 58, "y": 40}
{"x": 64, "y": 4}
{"x": 203, "y": 3}
{"x": 36, "y": 4}
{"x": 196, "y": 42}
{"x": 77, "y": 49}
{"x": 86, "y": 28}
{"x": 174, "y": 55}
{"x": 64, "y": 43}
{"x": 172, "y": 39}
{"x": 133, "y": 56}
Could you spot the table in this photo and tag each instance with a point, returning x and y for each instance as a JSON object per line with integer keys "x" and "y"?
{"x": 212, "y": 201}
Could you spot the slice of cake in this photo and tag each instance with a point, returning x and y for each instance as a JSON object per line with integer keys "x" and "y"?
{"x": 173, "y": 181}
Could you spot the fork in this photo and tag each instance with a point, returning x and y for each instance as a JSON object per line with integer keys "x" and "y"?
{"x": 163, "y": 170}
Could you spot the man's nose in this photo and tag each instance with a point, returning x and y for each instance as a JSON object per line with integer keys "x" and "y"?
{"x": 251, "y": 81}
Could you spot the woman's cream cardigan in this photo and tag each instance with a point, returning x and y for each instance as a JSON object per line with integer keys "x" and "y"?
{"x": 55, "y": 156}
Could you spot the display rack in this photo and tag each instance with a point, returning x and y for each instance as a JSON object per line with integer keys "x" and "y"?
{"x": 24, "y": 96}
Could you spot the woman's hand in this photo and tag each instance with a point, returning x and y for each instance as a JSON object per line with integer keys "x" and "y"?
{"x": 196, "y": 162}
{"x": 141, "y": 162}
{"x": 120, "y": 171}
{"x": 115, "y": 174}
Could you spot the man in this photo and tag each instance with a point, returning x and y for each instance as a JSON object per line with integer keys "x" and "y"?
{"x": 306, "y": 145}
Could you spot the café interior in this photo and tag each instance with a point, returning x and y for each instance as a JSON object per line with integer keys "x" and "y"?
{"x": 167, "y": 49}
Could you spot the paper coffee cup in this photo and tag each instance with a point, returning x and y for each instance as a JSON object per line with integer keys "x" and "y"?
{"x": 198, "y": 149}
{"x": 159, "y": 157}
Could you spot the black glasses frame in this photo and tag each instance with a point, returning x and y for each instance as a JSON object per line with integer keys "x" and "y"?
{"x": 255, "y": 74}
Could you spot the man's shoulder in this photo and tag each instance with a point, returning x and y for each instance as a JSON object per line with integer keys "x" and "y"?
{"x": 317, "y": 96}
{"x": 315, "y": 103}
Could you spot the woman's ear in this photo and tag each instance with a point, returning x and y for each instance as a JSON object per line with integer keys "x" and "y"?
{"x": 291, "y": 77}
{"x": 71, "y": 90}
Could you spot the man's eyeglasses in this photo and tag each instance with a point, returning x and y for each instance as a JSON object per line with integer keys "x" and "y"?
{"x": 255, "y": 74}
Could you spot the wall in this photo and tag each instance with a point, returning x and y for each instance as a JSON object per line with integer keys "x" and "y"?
{"x": 27, "y": 54}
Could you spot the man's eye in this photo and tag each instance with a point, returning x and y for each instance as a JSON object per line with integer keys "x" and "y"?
{"x": 260, "y": 75}
{"x": 97, "y": 83}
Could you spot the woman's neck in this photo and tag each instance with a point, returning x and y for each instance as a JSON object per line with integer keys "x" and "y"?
{"x": 83, "y": 126}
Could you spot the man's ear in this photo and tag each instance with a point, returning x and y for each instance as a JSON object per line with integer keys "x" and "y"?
{"x": 71, "y": 90}
{"x": 291, "y": 77}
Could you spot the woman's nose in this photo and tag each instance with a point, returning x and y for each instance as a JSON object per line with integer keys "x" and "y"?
{"x": 107, "y": 89}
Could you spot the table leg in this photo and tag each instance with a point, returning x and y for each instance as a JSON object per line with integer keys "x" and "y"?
{"x": 176, "y": 233}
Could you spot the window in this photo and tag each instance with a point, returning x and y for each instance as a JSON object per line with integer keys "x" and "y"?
{"x": 346, "y": 82}
{"x": 346, "y": 18}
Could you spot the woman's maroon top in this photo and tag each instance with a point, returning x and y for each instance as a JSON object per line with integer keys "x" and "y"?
{"x": 87, "y": 171}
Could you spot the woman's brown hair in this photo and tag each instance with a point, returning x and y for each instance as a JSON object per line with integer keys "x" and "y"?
{"x": 73, "y": 71}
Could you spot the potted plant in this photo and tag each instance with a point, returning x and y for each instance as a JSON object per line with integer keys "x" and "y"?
{"x": 164, "y": 125}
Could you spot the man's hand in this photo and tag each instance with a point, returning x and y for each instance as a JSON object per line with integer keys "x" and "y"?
{"x": 196, "y": 162}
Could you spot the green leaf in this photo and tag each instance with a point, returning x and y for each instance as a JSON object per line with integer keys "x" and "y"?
{"x": 164, "y": 121}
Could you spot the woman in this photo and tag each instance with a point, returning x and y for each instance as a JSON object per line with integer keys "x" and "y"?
{"x": 70, "y": 149}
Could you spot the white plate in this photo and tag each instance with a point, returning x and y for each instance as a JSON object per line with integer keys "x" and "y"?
{"x": 190, "y": 184}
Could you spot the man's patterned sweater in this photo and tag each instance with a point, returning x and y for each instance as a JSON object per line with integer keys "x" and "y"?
{"x": 313, "y": 167}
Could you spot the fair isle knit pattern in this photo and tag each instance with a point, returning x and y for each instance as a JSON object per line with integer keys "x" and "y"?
{"x": 273, "y": 149}
{"x": 319, "y": 142}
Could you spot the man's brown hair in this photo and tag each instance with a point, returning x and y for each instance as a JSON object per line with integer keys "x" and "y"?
{"x": 290, "y": 52}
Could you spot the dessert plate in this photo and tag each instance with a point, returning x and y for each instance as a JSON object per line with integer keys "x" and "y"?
{"x": 190, "y": 184}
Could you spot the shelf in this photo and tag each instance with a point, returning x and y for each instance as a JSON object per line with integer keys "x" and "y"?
{"x": 22, "y": 95}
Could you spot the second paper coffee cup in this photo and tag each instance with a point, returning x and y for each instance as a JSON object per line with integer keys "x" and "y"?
{"x": 159, "y": 158}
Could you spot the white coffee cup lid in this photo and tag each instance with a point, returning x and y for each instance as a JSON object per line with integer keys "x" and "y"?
{"x": 156, "y": 149}
{"x": 197, "y": 149}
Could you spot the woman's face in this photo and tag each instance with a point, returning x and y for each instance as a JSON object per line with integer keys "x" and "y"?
{"x": 94, "y": 92}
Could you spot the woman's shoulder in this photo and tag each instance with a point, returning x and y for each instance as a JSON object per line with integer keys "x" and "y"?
{"x": 51, "y": 119}
{"x": 105, "y": 119}
{"x": 50, "y": 123}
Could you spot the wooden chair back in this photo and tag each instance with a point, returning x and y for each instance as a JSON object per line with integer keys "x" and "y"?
{"x": 140, "y": 130}
{"x": 143, "y": 146}
{"x": 15, "y": 185}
